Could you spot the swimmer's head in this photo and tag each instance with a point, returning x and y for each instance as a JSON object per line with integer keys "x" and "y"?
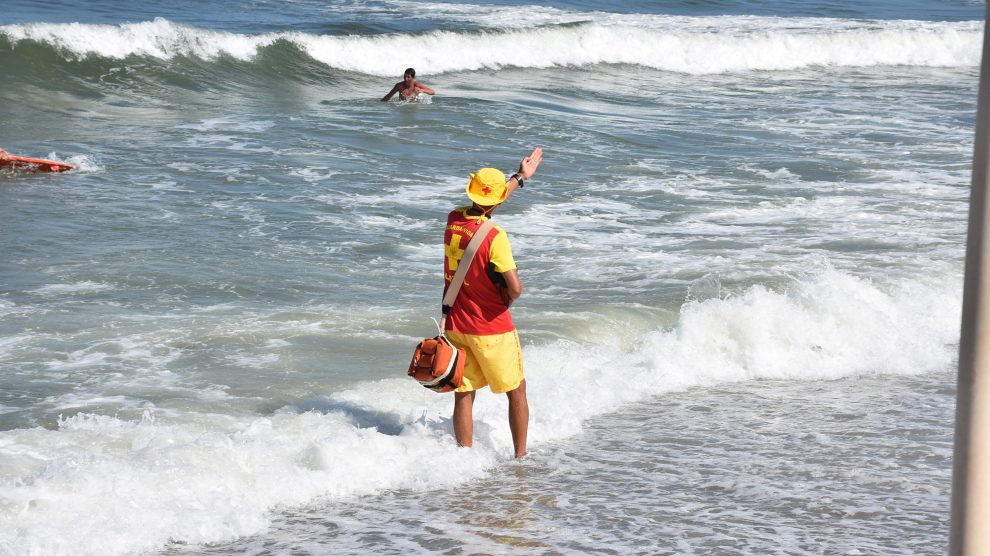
{"x": 409, "y": 76}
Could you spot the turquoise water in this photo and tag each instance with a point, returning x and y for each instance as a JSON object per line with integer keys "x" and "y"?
{"x": 742, "y": 262}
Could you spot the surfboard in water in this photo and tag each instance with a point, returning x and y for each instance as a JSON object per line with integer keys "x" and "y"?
{"x": 34, "y": 164}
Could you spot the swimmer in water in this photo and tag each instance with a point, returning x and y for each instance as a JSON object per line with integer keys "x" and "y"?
{"x": 408, "y": 88}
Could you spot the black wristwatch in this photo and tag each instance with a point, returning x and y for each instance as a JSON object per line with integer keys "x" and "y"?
{"x": 518, "y": 179}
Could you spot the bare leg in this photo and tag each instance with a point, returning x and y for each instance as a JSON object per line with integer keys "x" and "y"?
{"x": 518, "y": 418}
{"x": 464, "y": 418}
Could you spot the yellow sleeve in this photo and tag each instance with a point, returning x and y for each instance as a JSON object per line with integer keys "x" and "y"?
{"x": 501, "y": 252}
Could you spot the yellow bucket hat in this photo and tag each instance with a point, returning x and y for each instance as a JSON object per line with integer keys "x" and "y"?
{"x": 487, "y": 187}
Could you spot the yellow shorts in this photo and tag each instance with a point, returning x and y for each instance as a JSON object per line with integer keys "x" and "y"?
{"x": 492, "y": 360}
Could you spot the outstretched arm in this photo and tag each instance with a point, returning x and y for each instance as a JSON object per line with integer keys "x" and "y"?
{"x": 4, "y": 155}
{"x": 391, "y": 93}
{"x": 424, "y": 89}
{"x": 527, "y": 167}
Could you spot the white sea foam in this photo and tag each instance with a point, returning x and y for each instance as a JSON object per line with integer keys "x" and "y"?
{"x": 698, "y": 45}
{"x": 83, "y": 163}
{"x": 75, "y": 401}
{"x": 314, "y": 174}
{"x": 9, "y": 344}
{"x": 508, "y": 16}
{"x": 196, "y": 482}
{"x": 229, "y": 125}
{"x": 76, "y": 287}
{"x": 116, "y": 354}
{"x": 251, "y": 361}
{"x": 159, "y": 38}
{"x": 198, "y": 477}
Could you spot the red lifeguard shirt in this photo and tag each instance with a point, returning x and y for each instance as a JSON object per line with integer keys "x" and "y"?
{"x": 478, "y": 308}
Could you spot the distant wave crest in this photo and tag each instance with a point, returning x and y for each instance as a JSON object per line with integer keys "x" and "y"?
{"x": 688, "y": 45}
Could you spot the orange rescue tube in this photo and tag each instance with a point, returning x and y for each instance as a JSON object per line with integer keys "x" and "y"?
{"x": 34, "y": 164}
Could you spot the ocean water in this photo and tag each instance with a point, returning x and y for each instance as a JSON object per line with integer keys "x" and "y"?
{"x": 742, "y": 260}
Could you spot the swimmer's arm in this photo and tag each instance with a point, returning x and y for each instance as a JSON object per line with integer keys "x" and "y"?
{"x": 527, "y": 167}
{"x": 513, "y": 287}
{"x": 4, "y": 155}
{"x": 424, "y": 89}
{"x": 391, "y": 93}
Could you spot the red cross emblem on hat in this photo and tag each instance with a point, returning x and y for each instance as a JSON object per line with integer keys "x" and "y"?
{"x": 486, "y": 191}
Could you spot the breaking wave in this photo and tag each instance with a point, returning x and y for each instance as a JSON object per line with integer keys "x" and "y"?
{"x": 701, "y": 45}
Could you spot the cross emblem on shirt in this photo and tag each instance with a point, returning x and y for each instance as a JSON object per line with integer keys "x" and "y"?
{"x": 453, "y": 252}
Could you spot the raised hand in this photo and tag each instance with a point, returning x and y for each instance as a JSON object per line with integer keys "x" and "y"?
{"x": 529, "y": 164}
